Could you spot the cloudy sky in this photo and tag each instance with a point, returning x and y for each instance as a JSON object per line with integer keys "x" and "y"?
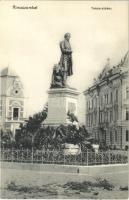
{"x": 29, "y": 41}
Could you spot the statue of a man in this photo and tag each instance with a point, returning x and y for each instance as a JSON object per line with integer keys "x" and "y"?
{"x": 66, "y": 58}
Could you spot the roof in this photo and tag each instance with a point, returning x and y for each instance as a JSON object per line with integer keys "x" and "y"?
{"x": 108, "y": 71}
{"x": 7, "y": 72}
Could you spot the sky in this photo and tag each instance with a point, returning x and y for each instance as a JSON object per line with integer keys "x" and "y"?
{"x": 29, "y": 42}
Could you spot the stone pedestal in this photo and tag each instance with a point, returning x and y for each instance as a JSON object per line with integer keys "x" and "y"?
{"x": 60, "y": 101}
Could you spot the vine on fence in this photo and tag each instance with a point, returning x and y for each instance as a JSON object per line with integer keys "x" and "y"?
{"x": 58, "y": 157}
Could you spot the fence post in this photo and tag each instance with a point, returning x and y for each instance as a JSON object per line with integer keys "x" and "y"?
{"x": 12, "y": 155}
{"x": 64, "y": 158}
{"x": 2, "y": 154}
{"x": 75, "y": 159}
{"x": 37, "y": 157}
{"x": 109, "y": 154}
{"x": 115, "y": 158}
{"x": 8, "y": 155}
{"x": 87, "y": 162}
{"x": 17, "y": 155}
{"x": 48, "y": 156}
{"x": 52, "y": 161}
{"x": 102, "y": 156}
{"x": 42, "y": 156}
{"x": 22, "y": 155}
{"x": 95, "y": 157}
{"x": 32, "y": 153}
{"x": 27, "y": 155}
{"x": 58, "y": 158}
{"x": 81, "y": 159}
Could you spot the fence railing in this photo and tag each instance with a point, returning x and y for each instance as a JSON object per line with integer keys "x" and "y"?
{"x": 57, "y": 157}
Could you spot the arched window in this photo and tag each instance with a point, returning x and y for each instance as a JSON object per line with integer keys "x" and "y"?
{"x": 15, "y": 113}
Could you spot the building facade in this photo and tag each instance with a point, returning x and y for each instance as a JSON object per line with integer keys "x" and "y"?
{"x": 107, "y": 106}
{"x": 12, "y": 101}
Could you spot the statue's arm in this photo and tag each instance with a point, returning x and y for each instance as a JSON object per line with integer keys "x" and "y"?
{"x": 64, "y": 49}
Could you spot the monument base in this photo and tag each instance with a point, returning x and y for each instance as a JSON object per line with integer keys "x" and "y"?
{"x": 60, "y": 101}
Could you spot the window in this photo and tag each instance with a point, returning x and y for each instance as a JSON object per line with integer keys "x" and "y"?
{"x": 116, "y": 114}
{"x": 111, "y": 137}
{"x": 111, "y": 97}
{"x": 106, "y": 116}
{"x": 116, "y": 95}
{"x": 88, "y": 105}
{"x": 127, "y": 114}
{"x": 101, "y": 101}
{"x": 15, "y": 113}
{"x": 92, "y": 103}
{"x": 95, "y": 102}
{"x": 127, "y": 93}
{"x": 107, "y": 98}
{"x": 111, "y": 116}
{"x": 100, "y": 117}
{"x": 115, "y": 136}
{"x": 95, "y": 118}
{"x": 127, "y": 135}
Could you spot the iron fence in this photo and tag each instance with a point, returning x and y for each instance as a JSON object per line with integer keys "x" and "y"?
{"x": 58, "y": 157}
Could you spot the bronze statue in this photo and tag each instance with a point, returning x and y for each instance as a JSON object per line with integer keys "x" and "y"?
{"x": 64, "y": 68}
{"x": 66, "y": 57}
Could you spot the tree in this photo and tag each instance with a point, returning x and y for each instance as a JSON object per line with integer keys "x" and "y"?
{"x": 29, "y": 130}
{"x": 6, "y": 137}
{"x": 34, "y": 134}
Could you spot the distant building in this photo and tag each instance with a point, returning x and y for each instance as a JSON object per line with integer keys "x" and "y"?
{"x": 12, "y": 101}
{"x": 107, "y": 106}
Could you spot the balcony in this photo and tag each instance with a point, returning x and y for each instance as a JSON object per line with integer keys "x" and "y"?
{"x": 15, "y": 118}
{"x": 12, "y": 119}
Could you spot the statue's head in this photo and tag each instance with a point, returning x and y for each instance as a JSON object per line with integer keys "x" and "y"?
{"x": 67, "y": 36}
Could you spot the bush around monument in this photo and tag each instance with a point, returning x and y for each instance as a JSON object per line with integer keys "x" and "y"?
{"x": 52, "y": 137}
{"x": 33, "y": 134}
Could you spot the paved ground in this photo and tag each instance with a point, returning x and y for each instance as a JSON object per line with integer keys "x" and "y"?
{"x": 53, "y": 182}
